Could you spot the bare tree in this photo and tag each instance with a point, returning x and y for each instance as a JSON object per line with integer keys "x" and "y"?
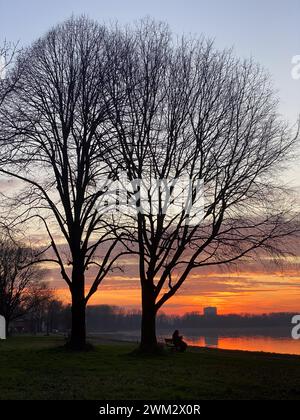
{"x": 52, "y": 312}
{"x": 40, "y": 318}
{"x": 56, "y": 129}
{"x": 21, "y": 286}
{"x": 188, "y": 111}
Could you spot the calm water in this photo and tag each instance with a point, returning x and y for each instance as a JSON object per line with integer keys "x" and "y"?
{"x": 274, "y": 341}
{"x": 249, "y": 343}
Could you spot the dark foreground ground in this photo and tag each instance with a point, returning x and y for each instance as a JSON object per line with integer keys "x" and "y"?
{"x": 39, "y": 368}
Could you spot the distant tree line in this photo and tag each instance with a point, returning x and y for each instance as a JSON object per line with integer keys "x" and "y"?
{"x": 51, "y": 316}
{"x": 110, "y": 318}
{"x": 55, "y": 317}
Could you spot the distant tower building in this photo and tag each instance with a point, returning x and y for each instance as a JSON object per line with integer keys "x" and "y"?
{"x": 210, "y": 311}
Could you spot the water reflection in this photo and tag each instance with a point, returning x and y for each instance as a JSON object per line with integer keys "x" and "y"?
{"x": 211, "y": 341}
{"x": 272, "y": 340}
{"x": 248, "y": 343}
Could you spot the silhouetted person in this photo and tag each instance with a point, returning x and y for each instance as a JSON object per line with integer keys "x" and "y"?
{"x": 178, "y": 341}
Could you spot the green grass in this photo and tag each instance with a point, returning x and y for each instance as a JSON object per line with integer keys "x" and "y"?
{"x": 39, "y": 368}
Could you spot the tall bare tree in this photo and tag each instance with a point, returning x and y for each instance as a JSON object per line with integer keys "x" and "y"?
{"x": 188, "y": 111}
{"x": 55, "y": 138}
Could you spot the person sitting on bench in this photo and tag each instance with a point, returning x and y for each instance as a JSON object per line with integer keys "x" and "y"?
{"x": 178, "y": 341}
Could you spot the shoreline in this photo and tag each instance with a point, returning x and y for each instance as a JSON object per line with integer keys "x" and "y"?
{"x": 103, "y": 340}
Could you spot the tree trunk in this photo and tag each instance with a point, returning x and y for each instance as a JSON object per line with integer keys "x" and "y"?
{"x": 148, "y": 328}
{"x": 78, "y": 331}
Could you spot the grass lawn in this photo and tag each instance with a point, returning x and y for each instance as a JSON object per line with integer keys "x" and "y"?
{"x": 39, "y": 368}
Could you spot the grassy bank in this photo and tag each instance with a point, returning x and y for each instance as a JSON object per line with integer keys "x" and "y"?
{"x": 38, "y": 368}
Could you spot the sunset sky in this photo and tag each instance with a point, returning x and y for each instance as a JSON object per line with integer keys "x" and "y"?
{"x": 248, "y": 288}
{"x": 269, "y": 31}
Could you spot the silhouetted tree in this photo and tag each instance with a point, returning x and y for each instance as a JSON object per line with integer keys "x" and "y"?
{"x": 48, "y": 316}
{"x": 55, "y": 315}
{"x": 21, "y": 288}
{"x": 56, "y": 127}
{"x": 188, "y": 111}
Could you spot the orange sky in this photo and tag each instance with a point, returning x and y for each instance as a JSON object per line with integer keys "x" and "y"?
{"x": 252, "y": 287}
{"x": 248, "y": 290}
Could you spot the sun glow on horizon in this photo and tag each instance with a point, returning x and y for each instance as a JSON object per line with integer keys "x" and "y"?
{"x": 231, "y": 293}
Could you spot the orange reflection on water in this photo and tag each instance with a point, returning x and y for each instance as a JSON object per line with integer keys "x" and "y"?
{"x": 266, "y": 344}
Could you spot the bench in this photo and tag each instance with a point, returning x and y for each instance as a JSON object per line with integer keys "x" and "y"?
{"x": 170, "y": 344}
